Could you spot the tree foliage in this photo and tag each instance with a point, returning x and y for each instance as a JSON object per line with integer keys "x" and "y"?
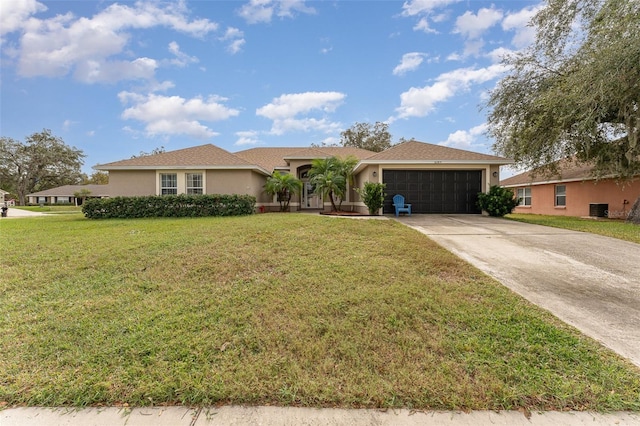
{"x": 155, "y": 151}
{"x": 284, "y": 186}
{"x": 575, "y": 92}
{"x": 332, "y": 177}
{"x": 42, "y": 162}
{"x": 367, "y": 136}
{"x": 97, "y": 178}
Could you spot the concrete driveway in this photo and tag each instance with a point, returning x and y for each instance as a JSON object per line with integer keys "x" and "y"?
{"x": 589, "y": 281}
{"x": 13, "y": 212}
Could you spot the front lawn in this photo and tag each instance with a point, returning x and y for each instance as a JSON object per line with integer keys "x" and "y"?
{"x": 278, "y": 309}
{"x": 607, "y": 227}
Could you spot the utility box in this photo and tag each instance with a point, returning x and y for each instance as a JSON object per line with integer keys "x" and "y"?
{"x": 598, "y": 209}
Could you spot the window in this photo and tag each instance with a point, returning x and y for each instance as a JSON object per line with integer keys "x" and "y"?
{"x": 63, "y": 200}
{"x": 168, "y": 184}
{"x": 524, "y": 194}
{"x": 194, "y": 183}
{"x": 561, "y": 195}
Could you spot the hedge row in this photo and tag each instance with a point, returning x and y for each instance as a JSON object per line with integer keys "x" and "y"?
{"x": 168, "y": 206}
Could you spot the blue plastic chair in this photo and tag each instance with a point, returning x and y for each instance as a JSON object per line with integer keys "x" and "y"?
{"x": 401, "y": 207}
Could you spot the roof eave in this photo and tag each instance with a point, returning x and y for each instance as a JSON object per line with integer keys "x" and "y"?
{"x": 191, "y": 167}
{"x": 479, "y": 162}
{"x": 555, "y": 181}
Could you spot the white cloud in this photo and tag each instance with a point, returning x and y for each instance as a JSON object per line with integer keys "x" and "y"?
{"x": 420, "y": 101}
{"x": 101, "y": 71}
{"x": 409, "y": 62}
{"x": 256, "y": 11}
{"x": 418, "y": 7}
{"x": 423, "y": 25}
{"x": 472, "y": 26}
{"x": 67, "y": 124}
{"x": 181, "y": 59}
{"x": 498, "y": 54}
{"x": 247, "y": 138}
{"x": 519, "y": 22}
{"x": 86, "y": 46}
{"x": 236, "y": 40}
{"x": 425, "y": 9}
{"x": 15, "y": 14}
{"x": 161, "y": 87}
{"x": 464, "y": 139}
{"x": 173, "y": 115}
{"x": 235, "y": 46}
{"x": 285, "y": 110}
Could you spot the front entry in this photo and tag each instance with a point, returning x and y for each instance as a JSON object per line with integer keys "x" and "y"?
{"x": 310, "y": 199}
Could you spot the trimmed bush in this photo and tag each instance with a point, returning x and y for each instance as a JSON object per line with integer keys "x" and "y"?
{"x": 372, "y": 196}
{"x": 498, "y": 201}
{"x": 168, "y": 206}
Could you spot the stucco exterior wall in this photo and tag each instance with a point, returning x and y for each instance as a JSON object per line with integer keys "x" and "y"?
{"x": 579, "y": 195}
{"x": 257, "y": 185}
{"x": 130, "y": 183}
{"x": 231, "y": 182}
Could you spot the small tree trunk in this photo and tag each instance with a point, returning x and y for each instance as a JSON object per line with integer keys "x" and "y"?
{"x": 333, "y": 203}
{"x": 634, "y": 214}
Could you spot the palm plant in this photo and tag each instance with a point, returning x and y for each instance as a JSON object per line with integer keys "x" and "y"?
{"x": 326, "y": 176}
{"x": 284, "y": 186}
{"x": 345, "y": 168}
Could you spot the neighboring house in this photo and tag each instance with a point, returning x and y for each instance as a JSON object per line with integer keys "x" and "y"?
{"x": 574, "y": 191}
{"x": 3, "y": 195}
{"x": 433, "y": 178}
{"x": 67, "y": 194}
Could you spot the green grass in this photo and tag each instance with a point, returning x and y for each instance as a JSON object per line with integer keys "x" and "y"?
{"x": 51, "y": 209}
{"x": 278, "y": 309}
{"x": 607, "y": 227}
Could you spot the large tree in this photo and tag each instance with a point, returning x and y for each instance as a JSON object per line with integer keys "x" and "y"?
{"x": 367, "y": 136}
{"x": 43, "y": 161}
{"x": 97, "y": 178}
{"x": 575, "y": 92}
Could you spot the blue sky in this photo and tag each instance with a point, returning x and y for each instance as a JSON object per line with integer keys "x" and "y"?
{"x": 118, "y": 78}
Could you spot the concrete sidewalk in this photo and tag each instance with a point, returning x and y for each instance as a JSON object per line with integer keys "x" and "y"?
{"x": 271, "y": 416}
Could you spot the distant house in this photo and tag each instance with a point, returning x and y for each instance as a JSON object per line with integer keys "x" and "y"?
{"x": 433, "y": 178}
{"x": 67, "y": 194}
{"x": 574, "y": 191}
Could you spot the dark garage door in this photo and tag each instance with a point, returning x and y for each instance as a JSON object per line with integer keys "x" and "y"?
{"x": 434, "y": 191}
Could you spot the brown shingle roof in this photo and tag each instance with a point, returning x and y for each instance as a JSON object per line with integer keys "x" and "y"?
{"x": 421, "y": 151}
{"x": 267, "y": 158}
{"x": 568, "y": 170}
{"x": 270, "y": 158}
{"x": 198, "y": 156}
{"x": 69, "y": 190}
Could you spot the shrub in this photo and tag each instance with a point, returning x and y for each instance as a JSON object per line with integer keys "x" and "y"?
{"x": 372, "y": 196}
{"x": 498, "y": 201}
{"x": 168, "y": 206}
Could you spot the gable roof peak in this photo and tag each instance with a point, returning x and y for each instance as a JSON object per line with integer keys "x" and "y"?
{"x": 196, "y": 156}
{"x": 423, "y": 151}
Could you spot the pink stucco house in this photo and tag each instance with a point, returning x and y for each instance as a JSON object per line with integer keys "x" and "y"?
{"x": 574, "y": 191}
